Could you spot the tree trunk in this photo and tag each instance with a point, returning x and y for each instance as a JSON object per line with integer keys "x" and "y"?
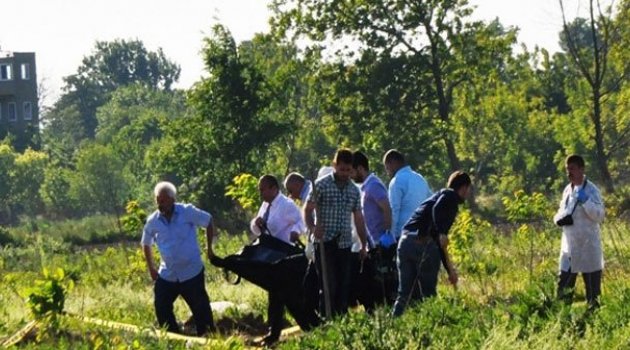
{"x": 602, "y": 159}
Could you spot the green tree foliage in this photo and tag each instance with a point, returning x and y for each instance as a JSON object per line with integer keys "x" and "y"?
{"x": 130, "y": 121}
{"x": 593, "y": 46}
{"x": 98, "y": 183}
{"x": 442, "y": 46}
{"x": 229, "y": 130}
{"x": 111, "y": 65}
{"x": 28, "y": 175}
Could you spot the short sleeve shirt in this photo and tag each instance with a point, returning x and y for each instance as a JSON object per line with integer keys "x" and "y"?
{"x": 335, "y": 205}
{"x": 177, "y": 241}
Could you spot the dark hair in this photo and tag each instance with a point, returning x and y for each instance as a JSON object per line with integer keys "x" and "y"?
{"x": 458, "y": 179}
{"x": 343, "y": 156}
{"x": 360, "y": 159}
{"x": 575, "y": 159}
{"x": 269, "y": 180}
{"x": 393, "y": 155}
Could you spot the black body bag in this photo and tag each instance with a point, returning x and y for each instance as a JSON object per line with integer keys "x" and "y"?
{"x": 277, "y": 267}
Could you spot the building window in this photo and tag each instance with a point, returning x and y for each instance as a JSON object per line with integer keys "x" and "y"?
{"x": 12, "y": 112}
{"x": 25, "y": 71}
{"x": 28, "y": 110}
{"x": 6, "y": 72}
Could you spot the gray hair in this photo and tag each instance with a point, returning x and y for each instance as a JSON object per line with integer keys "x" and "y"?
{"x": 165, "y": 187}
{"x": 293, "y": 177}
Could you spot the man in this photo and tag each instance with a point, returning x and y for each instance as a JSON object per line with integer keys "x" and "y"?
{"x": 407, "y": 189}
{"x": 424, "y": 243}
{"x": 298, "y": 187}
{"x": 173, "y": 227}
{"x": 374, "y": 198}
{"x": 337, "y": 201}
{"x": 580, "y": 213}
{"x": 281, "y": 218}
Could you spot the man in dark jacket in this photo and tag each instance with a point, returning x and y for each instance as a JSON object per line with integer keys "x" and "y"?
{"x": 423, "y": 243}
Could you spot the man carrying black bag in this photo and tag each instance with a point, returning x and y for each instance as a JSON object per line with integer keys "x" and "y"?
{"x": 580, "y": 213}
{"x": 281, "y": 218}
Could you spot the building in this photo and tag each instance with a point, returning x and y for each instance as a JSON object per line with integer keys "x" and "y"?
{"x": 19, "y": 112}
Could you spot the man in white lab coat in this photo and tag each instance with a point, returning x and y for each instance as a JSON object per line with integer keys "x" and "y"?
{"x": 580, "y": 213}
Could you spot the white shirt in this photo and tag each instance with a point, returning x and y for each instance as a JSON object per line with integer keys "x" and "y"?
{"x": 581, "y": 246}
{"x": 284, "y": 218}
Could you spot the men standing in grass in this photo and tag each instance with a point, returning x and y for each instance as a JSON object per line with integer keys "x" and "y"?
{"x": 407, "y": 189}
{"x": 281, "y": 218}
{"x": 337, "y": 201}
{"x": 580, "y": 213}
{"x": 173, "y": 227}
{"x": 424, "y": 243}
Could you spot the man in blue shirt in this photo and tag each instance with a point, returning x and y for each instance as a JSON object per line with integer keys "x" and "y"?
{"x": 407, "y": 189}
{"x": 173, "y": 228}
{"x": 374, "y": 198}
{"x": 424, "y": 243}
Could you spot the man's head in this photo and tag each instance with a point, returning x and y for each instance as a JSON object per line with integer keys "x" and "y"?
{"x": 393, "y": 160}
{"x": 461, "y": 183}
{"x": 294, "y": 182}
{"x": 268, "y": 187}
{"x": 165, "y": 194}
{"x": 361, "y": 166}
{"x": 343, "y": 165}
{"x": 575, "y": 167}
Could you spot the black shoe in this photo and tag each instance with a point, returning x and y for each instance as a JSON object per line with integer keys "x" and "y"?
{"x": 269, "y": 340}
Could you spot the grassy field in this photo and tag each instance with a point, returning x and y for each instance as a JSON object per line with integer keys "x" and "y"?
{"x": 505, "y": 299}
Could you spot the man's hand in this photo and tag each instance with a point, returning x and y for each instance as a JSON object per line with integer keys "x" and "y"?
{"x": 363, "y": 253}
{"x": 153, "y": 272}
{"x": 582, "y": 197}
{"x": 259, "y": 222}
{"x": 453, "y": 277}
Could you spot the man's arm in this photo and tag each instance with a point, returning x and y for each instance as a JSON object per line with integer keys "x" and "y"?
{"x": 387, "y": 213}
{"x": 148, "y": 257}
{"x": 309, "y": 218}
{"x": 359, "y": 223}
{"x": 395, "y": 200}
{"x": 444, "y": 212}
{"x": 209, "y": 237}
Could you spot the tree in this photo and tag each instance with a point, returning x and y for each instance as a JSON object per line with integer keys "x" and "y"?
{"x": 228, "y": 130}
{"x": 111, "y": 65}
{"x": 442, "y": 46}
{"x": 591, "y": 45}
{"x": 98, "y": 183}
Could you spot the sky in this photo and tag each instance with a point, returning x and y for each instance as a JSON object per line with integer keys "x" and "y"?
{"x": 62, "y": 32}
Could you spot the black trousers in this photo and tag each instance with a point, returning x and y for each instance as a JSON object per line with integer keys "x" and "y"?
{"x": 194, "y": 293}
{"x": 592, "y": 284}
{"x": 275, "y": 313}
{"x": 338, "y": 266}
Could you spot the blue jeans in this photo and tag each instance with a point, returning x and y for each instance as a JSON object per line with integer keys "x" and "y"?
{"x": 194, "y": 293}
{"x": 418, "y": 264}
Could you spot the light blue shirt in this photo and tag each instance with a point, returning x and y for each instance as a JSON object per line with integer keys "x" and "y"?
{"x": 177, "y": 241}
{"x": 306, "y": 190}
{"x": 407, "y": 190}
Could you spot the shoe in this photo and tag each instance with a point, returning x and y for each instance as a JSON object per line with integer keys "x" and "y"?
{"x": 269, "y": 340}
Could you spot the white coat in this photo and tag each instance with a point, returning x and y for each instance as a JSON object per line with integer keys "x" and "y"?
{"x": 581, "y": 247}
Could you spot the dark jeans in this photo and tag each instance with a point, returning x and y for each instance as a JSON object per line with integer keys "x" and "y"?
{"x": 338, "y": 269}
{"x": 418, "y": 266}
{"x": 592, "y": 284}
{"x": 194, "y": 293}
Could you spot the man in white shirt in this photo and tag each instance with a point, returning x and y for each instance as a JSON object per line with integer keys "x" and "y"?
{"x": 281, "y": 218}
{"x": 580, "y": 212}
